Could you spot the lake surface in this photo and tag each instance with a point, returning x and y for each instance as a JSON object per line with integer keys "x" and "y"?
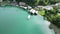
{"x": 13, "y": 20}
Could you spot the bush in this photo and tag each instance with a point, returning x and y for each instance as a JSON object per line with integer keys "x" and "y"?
{"x": 41, "y": 12}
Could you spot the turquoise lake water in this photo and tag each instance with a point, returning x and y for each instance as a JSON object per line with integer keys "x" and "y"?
{"x": 14, "y": 20}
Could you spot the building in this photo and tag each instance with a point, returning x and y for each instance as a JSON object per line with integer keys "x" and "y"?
{"x": 1, "y": 0}
{"x": 21, "y": 3}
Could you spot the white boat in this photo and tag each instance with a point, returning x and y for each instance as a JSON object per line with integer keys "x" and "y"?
{"x": 28, "y": 17}
{"x": 25, "y": 7}
{"x": 33, "y": 11}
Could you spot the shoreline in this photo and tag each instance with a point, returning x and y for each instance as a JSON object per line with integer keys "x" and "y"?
{"x": 56, "y": 29}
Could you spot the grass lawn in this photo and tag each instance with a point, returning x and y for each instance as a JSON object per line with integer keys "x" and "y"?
{"x": 42, "y": 12}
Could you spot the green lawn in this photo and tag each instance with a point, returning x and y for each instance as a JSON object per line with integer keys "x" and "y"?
{"x": 42, "y": 12}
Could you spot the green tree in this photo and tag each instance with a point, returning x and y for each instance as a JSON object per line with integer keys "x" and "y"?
{"x": 56, "y": 20}
{"x": 46, "y": 2}
{"x": 52, "y": 16}
{"x": 37, "y": 2}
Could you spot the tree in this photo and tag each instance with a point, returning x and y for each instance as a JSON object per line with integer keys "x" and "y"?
{"x": 37, "y": 2}
{"x": 29, "y": 2}
{"x": 46, "y": 2}
{"x": 52, "y": 16}
{"x": 56, "y": 20}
